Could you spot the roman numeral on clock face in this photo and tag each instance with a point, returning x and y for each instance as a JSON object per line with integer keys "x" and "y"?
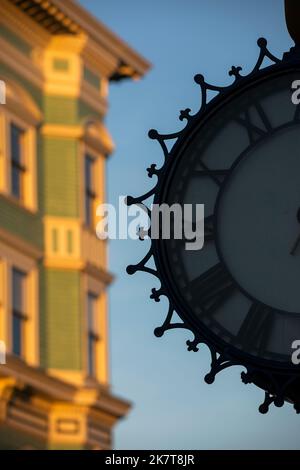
{"x": 209, "y": 231}
{"x": 211, "y": 289}
{"x": 216, "y": 175}
{"x": 256, "y": 328}
{"x": 256, "y": 123}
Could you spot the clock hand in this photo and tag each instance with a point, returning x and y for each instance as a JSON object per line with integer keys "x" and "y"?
{"x": 295, "y": 246}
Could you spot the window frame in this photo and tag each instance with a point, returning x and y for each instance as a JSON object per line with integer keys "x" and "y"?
{"x": 19, "y": 314}
{"x": 18, "y": 165}
{"x": 10, "y": 258}
{"x": 90, "y": 194}
{"x": 98, "y": 178}
{"x": 10, "y": 116}
{"x": 93, "y": 337}
{"x": 98, "y": 289}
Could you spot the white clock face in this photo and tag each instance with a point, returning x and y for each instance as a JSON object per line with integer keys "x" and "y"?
{"x": 244, "y": 165}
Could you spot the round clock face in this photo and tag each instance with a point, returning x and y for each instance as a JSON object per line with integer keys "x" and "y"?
{"x": 243, "y": 163}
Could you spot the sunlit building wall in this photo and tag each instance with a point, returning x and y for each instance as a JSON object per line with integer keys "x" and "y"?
{"x": 56, "y": 62}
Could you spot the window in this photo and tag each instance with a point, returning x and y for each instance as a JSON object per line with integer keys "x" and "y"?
{"x": 95, "y": 334}
{"x": 19, "y": 315}
{"x": 93, "y": 338}
{"x": 90, "y": 195}
{"x": 19, "y": 120}
{"x": 19, "y": 302}
{"x": 17, "y": 166}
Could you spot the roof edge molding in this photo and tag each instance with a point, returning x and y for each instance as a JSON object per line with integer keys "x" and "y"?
{"x": 68, "y": 17}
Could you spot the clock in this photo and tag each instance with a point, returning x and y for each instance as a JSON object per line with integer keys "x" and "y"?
{"x": 239, "y": 155}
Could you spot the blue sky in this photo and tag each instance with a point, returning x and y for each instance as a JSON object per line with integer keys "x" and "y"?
{"x": 173, "y": 407}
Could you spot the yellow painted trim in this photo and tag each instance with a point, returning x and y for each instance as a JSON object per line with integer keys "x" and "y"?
{"x": 97, "y": 138}
{"x": 62, "y": 131}
{"x": 76, "y": 265}
{"x": 67, "y": 82}
{"x": 86, "y": 248}
{"x": 67, "y": 44}
{"x": 57, "y": 249}
{"x": 74, "y": 377}
{"x": 93, "y": 133}
{"x": 67, "y": 424}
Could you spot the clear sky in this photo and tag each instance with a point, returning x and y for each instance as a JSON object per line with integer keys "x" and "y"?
{"x": 173, "y": 407}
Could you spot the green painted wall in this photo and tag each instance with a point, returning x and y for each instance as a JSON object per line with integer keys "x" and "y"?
{"x": 21, "y": 222}
{"x": 11, "y": 439}
{"x": 58, "y": 172}
{"x": 68, "y": 446}
{"x": 91, "y": 77}
{"x": 34, "y": 91}
{"x": 60, "y": 177}
{"x": 15, "y": 40}
{"x": 61, "y": 110}
{"x": 60, "y": 319}
{"x": 61, "y": 65}
{"x": 84, "y": 111}
{"x": 67, "y": 110}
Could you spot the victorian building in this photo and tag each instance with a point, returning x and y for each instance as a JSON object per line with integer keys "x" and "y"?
{"x": 56, "y": 64}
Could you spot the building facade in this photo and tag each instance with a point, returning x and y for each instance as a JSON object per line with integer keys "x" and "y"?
{"x": 56, "y": 64}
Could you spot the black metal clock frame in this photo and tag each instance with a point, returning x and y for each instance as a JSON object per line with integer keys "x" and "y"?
{"x": 280, "y": 383}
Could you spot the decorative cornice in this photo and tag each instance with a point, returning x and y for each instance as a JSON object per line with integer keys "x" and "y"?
{"x": 98, "y": 398}
{"x": 103, "y": 36}
{"x": 21, "y": 103}
{"x": 98, "y": 273}
{"x": 32, "y": 32}
{"x": 93, "y": 98}
{"x": 92, "y": 132}
{"x": 48, "y": 15}
{"x": 20, "y": 64}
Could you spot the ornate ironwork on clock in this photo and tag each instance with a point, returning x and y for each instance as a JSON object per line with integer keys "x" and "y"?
{"x": 240, "y": 295}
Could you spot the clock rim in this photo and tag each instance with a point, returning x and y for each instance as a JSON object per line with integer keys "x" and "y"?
{"x": 159, "y": 252}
